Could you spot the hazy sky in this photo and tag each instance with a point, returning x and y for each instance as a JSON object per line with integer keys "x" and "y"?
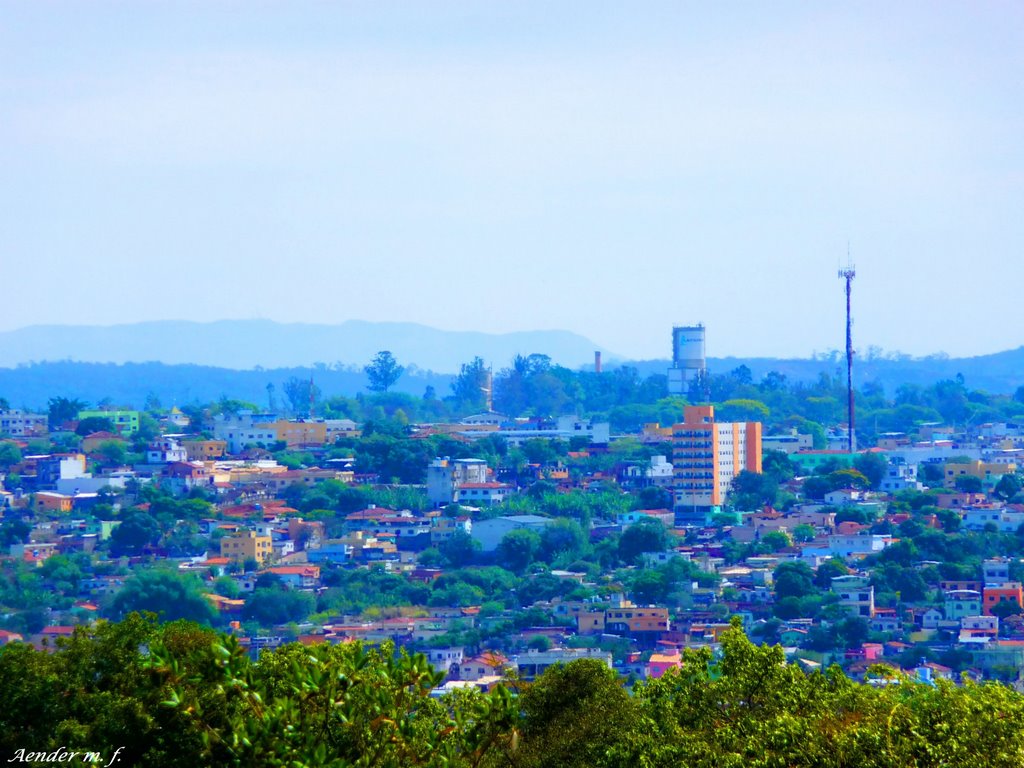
{"x": 611, "y": 169}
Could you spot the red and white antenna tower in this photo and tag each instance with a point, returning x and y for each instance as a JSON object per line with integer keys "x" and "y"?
{"x": 848, "y": 274}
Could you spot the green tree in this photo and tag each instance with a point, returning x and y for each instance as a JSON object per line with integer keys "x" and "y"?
{"x": 63, "y": 409}
{"x": 383, "y": 371}
{"x": 1006, "y": 608}
{"x": 644, "y": 536}
{"x": 10, "y": 454}
{"x": 804, "y": 532}
{"x": 518, "y": 549}
{"x": 562, "y": 537}
{"x": 1009, "y": 485}
{"x": 753, "y": 490}
{"x": 469, "y": 387}
{"x": 137, "y": 531}
{"x": 167, "y": 594}
{"x": 575, "y": 715}
{"x": 829, "y": 570}
{"x": 303, "y": 395}
{"x": 776, "y": 540}
{"x": 113, "y": 452}
{"x": 873, "y": 466}
{"x": 968, "y": 484}
{"x": 94, "y": 424}
{"x": 793, "y": 579}
{"x": 460, "y": 549}
{"x": 276, "y": 605}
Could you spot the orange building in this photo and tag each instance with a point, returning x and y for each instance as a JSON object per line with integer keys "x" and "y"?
{"x": 638, "y": 622}
{"x": 51, "y": 502}
{"x": 1007, "y": 592}
{"x": 707, "y": 455}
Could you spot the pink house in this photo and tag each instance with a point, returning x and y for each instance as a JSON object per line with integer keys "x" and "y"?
{"x": 660, "y": 663}
{"x": 872, "y": 651}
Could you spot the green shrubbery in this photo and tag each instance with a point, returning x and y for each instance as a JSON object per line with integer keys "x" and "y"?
{"x": 177, "y": 695}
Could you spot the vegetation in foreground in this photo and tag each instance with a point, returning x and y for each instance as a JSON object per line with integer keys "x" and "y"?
{"x": 180, "y": 695}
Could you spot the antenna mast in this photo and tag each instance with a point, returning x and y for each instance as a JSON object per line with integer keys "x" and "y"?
{"x": 848, "y": 274}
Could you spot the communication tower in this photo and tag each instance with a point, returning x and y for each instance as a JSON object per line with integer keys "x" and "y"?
{"x": 848, "y": 274}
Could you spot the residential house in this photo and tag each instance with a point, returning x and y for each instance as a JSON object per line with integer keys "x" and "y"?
{"x": 856, "y": 594}
{"x": 533, "y": 663}
{"x": 960, "y": 603}
{"x": 979, "y": 627}
{"x": 165, "y": 450}
{"x": 297, "y": 576}
{"x": 660, "y": 663}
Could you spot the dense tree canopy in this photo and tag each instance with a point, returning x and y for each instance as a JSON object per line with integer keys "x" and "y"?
{"x": 177, "y": 695}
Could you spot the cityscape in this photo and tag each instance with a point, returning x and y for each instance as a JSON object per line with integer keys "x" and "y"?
{"x": 530, "y": 385}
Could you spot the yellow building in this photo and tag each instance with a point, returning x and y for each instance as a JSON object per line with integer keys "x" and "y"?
{"x": 707, "y": 455}
{"x": 204, "y": 450}
{"x": 298, "y": 434}
{"x": 92, "y": 443}
{"x": 246, "y": 545}
{"x": 987, "y": 473}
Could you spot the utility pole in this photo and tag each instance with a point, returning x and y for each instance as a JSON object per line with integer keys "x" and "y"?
{"x": 848, "y": 274}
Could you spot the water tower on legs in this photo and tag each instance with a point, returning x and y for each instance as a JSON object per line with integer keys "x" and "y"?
{"x": 687, "y": 357}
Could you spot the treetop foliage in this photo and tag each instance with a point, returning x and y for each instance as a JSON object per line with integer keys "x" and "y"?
{"x": 176, "y": 694}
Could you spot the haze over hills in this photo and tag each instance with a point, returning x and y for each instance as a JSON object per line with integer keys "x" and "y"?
{"x": 247, "y": 344}
{"x": 183, "y": 362}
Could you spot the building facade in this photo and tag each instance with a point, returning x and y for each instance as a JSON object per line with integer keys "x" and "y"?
{"x": 707, "y": 455}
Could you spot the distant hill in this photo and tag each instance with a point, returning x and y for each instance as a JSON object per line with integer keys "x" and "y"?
{"x": 246, "y": 344}
{"x": 239, "y": 358}
{"x": 130, "y": 384}
{"x": 999, "y": 373}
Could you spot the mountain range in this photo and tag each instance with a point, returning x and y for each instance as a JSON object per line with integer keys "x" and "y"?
{"x": 248, "y": 344}
{"x": 182, "y": 362}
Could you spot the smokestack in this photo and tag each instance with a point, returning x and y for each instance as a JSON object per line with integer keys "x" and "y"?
{"x": 597, "y": 361}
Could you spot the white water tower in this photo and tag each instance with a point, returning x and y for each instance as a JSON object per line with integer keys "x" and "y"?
{"x": 687, "y": 357}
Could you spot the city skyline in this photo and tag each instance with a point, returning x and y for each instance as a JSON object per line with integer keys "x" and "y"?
{"x": 490, "y": 168}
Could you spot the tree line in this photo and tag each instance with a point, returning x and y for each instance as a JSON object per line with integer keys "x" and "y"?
{"x": 180, "y": 695}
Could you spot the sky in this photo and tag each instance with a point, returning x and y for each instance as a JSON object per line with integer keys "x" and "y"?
{"x": 612, "y": 169}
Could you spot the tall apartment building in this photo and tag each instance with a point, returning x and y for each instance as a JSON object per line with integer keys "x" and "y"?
{"x": 706, "y": 456}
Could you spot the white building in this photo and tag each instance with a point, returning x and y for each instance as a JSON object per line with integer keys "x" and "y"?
{"x": 442, "y": 659}
{"x": 788, "y": 443}
{"x": 489, "y": 533}
{"x": 22, "y": 423}
{"x": 165, "y": 450}
{"x": 900, "y": 476}
{"x": 855, "y": 545}
{"x": 445, "y": 477}
{"x": 995, "y": 570}
{"x": 238, "y": 438}
{"x": 566, "y": 428}
{"x": 1004, "y": 520}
